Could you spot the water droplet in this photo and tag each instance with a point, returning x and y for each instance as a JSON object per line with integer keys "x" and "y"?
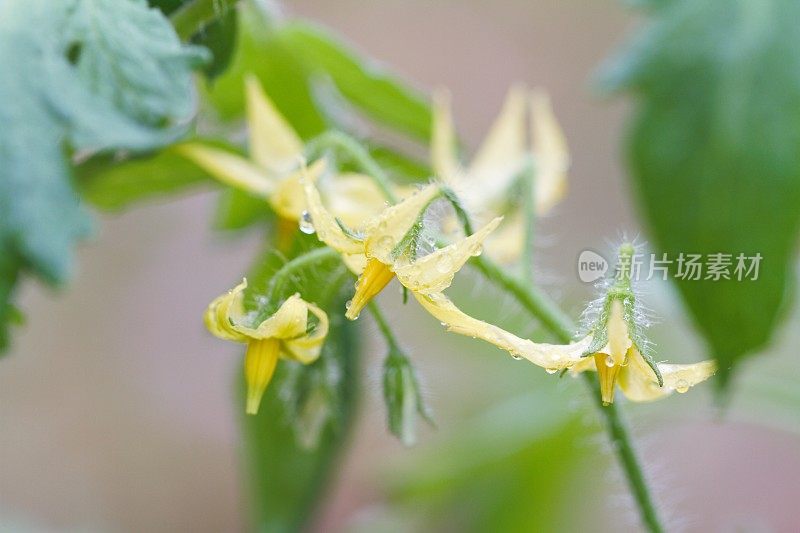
{"x": 478, "y": 250}
{"x": 516, "y": 356}
{"x": 551, "y": 370}
{"x": 681, "y": 386}
{"x": 443, "y": 323}
{"x": 444, "y": 264}
{"x": 348, "y": 303}
{"x": 610, "y": 361}
{"x": 306, "y": 224}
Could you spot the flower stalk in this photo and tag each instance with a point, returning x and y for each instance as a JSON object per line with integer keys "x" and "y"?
{"x": 561, "y": 326}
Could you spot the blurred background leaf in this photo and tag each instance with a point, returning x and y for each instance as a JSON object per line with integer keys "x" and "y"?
{"x": 714, "y": 152}
{"x": 112, "y": 184}
{"x": 93, "y": 89}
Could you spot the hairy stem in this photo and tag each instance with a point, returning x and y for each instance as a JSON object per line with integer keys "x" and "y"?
{"x": 553, "y": 318}
{"x": 383, "y": 327}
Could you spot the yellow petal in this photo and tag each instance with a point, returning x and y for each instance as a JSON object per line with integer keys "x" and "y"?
{"x": 259, "y": 366}
{"x": 444, "y": 158}
{"x": 353, "y": 198}
{"x": 289, "y": 199}
{"x": 552, "y": 357}
{"x": 502, "y": 154}
{"x": 289, "y": 321}
{"x": 306, "y": 349}
{"x": 550, "y": 151}
{"x": 356, "y": 263}
{"x": 217, "y": 314}
{"x": 325, "y": 225}
{"x": 274, "y": 145}
{"x": 505, "y": 245}
{"x": 385, "y": 231}
{"x": 435, "y": 271}
{"x": 375, "y": 277}
{"x": 607, "y": 370}
{"x": 638, "y": 381}
{"x": 618, "y": 339}
{"x": 229, "y": 168}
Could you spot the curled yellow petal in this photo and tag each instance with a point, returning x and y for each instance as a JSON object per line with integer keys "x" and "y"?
{"x": 289, "y": 321}
{"x": 229, "y": 168}
{"x": 552, "y": 357}
{"x": 306, "y": 348}
{"x": 375, "y": 277}
{"x": 444, "y": 158}
{"x": 274, "y": 145}
{"x": 325, "y": 225}
{"x": 259, "y": 366}
{"x": 217, "y": 318}
{"x": 435, "y": 271}
{"x": 638, "y": 381}
{"x": 385, "y": 231}
{"x": 550, "y": 150}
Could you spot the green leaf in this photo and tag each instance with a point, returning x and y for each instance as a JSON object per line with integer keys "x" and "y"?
{"x": 380, "y": 95}
{"x": 220, "y": 38}
{"x": 88, "y": 75}
{"x": 715, "y": 153}
{"x": 511, "y": 468}
{"x": 114, "y": 185}
{"x": 238, "y": 210}
{"x": 283, "y": 78}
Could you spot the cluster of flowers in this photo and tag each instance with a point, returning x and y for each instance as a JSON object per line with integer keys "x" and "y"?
{"x": 379, "y": 242}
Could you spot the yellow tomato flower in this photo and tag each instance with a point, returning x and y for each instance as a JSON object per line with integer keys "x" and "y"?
{"x": 486, "y": 185}
{"x": 615, "y": 347}
{"x": 385, "y": 247}
{"x": 288, "y": 333}
{"x": 621, "y": 361}
{"x": 273, "y": 169}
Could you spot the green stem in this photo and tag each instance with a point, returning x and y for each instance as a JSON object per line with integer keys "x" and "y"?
{"x": 383, "y": 326}
{"x": 360, "y": 155}
{"x": 548, "y": 312}
{"x": 555, "y": 320}
{"x": 541, "y": 307}
{"x": 192, "y": 17}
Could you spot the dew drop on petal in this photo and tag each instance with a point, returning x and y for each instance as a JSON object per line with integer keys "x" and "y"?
{"x": 348, "y": 303}
{"x": 306, "y": 224}
{"x": 516, "y": 356}
{"x": 478, "y": 250}
{"x": 610, "y": 361}
{"x": 551, "y": 370}
{"x": 681, "y": 386}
